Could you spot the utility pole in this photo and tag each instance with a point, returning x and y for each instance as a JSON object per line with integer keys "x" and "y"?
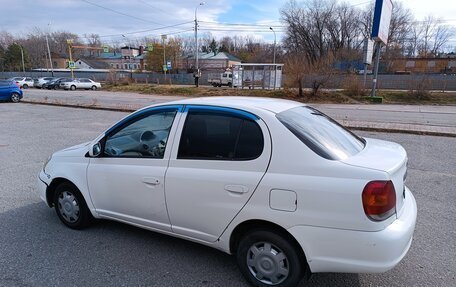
{"x": 49, "y": 50}
{"x": 163, "y": 37}
{"x": 197, "y": 73}
{"x": 70, "y": 42}
{"x": 377, "y": 62}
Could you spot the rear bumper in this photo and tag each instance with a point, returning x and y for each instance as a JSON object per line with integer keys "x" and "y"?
{"x": 337, "y": 250}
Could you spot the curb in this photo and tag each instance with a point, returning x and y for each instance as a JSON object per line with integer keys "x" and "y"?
{"x": 350, "y": 126}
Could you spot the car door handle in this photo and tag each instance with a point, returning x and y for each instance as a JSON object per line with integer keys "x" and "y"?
{"x": 151, "y": 180}
{"x": 235, "y": 188}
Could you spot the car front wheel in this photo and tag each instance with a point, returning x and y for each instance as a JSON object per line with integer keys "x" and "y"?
{"x": 73, "y": 88}
{"x": 15, "y": 98}
{"x": 94, "y": 88}
{"x": 71, "y": 207}
{"x": 268, "y": 259}
{"x": 25, "y": 86}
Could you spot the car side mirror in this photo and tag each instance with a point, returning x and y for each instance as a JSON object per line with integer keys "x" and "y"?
{"x": 95, "y": 150}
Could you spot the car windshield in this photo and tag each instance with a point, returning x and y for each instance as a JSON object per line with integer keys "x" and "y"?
{"x": 320, "y": 133}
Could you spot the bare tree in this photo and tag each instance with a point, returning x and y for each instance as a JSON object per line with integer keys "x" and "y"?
{"x": 400, "y": 26}
{"x": 93, "y": 40}
{"x": 442, "y": 36}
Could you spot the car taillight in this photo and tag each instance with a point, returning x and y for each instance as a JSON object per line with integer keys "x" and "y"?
{"x": 379, "y": 200}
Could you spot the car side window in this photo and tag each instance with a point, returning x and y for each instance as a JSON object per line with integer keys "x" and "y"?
{"x": 144, "y": 137}
{"x": 212, "y": 135}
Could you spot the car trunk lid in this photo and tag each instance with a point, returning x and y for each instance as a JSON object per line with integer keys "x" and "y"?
{"x": 384, "y": 156}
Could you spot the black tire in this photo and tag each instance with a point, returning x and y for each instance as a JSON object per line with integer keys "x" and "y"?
{"x": 73, "y": 87}
{"x": 267, "y": 262}
{"x": 71, "y": 207}
{"x": 25, "y": 86}
{"x": 15, "y": 98}
{"x": 94, "y": 88}
{"x": 230, "y": 85}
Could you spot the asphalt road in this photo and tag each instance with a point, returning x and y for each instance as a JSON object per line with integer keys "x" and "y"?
{"x": 437, "y": 116}
{"x": 37, "y": 250}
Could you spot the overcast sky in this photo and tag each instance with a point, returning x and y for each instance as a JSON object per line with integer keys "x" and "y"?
{"x": 104, "y": 17}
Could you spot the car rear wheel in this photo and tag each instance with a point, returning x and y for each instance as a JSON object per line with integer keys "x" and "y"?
{"x": 15, "y": 98}
{"x": 266, "y": 258}
{"x": 25, "y": 86}
{"x": 73, "y": 87}
{"x": 94, "y": 88}
{"x": 71, "y": 207}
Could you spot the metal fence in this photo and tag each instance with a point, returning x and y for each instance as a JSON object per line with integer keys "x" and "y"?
{"x": 439, "y": 82}
{"x": 385, "y": 81}
{"x": 178, "y": 79}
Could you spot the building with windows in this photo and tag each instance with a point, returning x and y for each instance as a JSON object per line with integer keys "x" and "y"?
{"x": 211, "y": 62}
{"x": 425, "y": 65}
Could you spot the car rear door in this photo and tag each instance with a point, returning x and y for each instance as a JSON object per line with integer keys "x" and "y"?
{"x": 4, "y": 90}
{"x": 219, "y": 157}
{"x": 83, "y": 84}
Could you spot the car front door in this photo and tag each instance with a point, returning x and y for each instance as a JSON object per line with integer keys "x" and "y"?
{"x": 126, "y": 181}
{"x": 216, "y": 165}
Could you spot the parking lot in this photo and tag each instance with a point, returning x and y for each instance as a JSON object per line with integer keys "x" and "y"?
{"x": 37, "y": 250}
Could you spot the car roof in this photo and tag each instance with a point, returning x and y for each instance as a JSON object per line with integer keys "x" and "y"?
{"x": 268, "y": 104}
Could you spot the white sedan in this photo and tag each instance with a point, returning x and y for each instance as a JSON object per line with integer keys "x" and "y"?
{"x": 81, "y": 83}
{"x": 23, "y": 82}
{"x": 278, "y": 184}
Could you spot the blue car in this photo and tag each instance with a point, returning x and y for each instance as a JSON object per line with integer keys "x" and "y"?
{"x": 9, "y": 91}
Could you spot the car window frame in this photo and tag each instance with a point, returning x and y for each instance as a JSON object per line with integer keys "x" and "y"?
{"x": 141, "y": 114}
{"x": 238, "y": 113}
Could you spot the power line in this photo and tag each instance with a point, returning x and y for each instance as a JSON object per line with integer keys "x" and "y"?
{"x": 141, "y": 38}
{"x": 144, "y": 2}
{"x": 238, "y": 30}
{"x": 147, "y": 30}
{"x": 121, "y": 13}
{"x": 242, "y": 24}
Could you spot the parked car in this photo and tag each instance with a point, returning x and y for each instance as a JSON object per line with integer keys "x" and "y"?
{"x": 10, "y": 91}
{"x": 23, "y": 82}
{"x": 280, "y": 185}
{"x": 40, "y": 82}
{"x": 81, "y": 83}
{"x": 55, "y": 83}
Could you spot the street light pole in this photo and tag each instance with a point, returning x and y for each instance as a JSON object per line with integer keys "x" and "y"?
{"x": 197, "y": 73}
{"x": 49, "y": 50}
{"x": 129, "y": 57}
{"x": 275, "y": 40}
{"x": 274, "y": 57}
{"x": 22, "y": 55}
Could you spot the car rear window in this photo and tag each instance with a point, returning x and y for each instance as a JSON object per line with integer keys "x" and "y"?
{"x": 320, "y": 133}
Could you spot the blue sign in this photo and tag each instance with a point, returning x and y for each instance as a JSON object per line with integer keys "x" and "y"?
{"x": 382, "y": 19}
{"x": 168, "y": 65}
